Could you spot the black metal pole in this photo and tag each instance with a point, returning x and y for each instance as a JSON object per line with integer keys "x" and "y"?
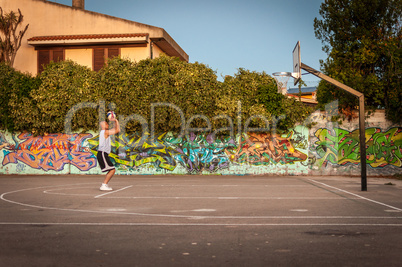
{"x": 362, "y": 134}
{"x": 362, "y": 129}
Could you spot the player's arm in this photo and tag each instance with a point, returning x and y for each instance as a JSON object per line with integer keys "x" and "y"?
{"x": 113, "y": 131}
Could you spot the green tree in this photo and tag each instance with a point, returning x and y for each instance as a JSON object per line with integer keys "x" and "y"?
{"x": 278, "y": 105}
{"x": 258, "y": 94}
{"x": 133, "y": 87}
{"x": 40, "y": 104}
{"x": 363, "y": 40}
{"x": 63, "y": 85}
{"x": 243, "y": 87}
{"x": 15, "y": 88}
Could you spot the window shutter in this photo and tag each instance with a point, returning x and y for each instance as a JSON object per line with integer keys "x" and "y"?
{"x": 113, "y": 52}
{"x": 58, "y": 55}
{"x": 43, "y": 59}
{"x": 99, "y": 58}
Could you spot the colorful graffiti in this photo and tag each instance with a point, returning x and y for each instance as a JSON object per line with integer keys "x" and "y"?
{"x": 134, "y": 154}
{"x": 342, "y": 147}
{"x": 195, "y": 153}
{"x": 199, "y": 153}
{"x": 49, "y": 152}
{"x": 131, "y": 152}
{"x": 264, "y": 149}
{"x": 202, "y": 153}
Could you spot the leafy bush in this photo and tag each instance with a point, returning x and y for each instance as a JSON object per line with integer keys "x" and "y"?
{"x": 40, "y": 105}
{"x": 6, "y": 75}
{"x": 243, "y": 88}
{"x": 15, "y": 88}
{"x": 278, "y": 105}
{"x": 133, "y": 87}
{"x": 63, "y": 84}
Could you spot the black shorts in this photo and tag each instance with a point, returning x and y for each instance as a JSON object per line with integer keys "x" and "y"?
{"x": 104, "y": 161}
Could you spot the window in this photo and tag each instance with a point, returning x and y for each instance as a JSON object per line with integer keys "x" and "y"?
{"x": 45, "y": 56}
{"x": 99, "y": 56}
{"x": 55, "y": 54}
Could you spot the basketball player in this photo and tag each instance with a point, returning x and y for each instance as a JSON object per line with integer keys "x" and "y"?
{"x": 104, "y": 150}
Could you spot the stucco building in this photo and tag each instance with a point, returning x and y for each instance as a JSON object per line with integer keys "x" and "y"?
{"x": 60, "y": 32}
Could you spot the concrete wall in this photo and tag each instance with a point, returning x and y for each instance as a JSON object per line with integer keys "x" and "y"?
{"x": 329, "y": 148}
{"x": 49, "y": 18}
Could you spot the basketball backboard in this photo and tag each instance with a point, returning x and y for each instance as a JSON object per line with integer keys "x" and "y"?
{"x": 296, "y": 74}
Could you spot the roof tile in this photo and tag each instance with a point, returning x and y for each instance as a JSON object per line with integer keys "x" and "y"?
{"x": 86, "y": 36}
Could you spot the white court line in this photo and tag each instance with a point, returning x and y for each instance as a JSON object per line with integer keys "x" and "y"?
{"x": 353, "y": 194}
{"x": 111, "y": 192}
{"x": 187, "y": 216}
{"x": 239, "y": 198}
{"x": 3, "y": 197}
{"x": 221, "y": 185}
{"x": 205, "y": 224}
{"x": 51, "y": 191}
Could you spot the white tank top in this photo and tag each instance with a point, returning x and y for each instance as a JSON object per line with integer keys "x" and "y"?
{"x": 104, "y": 144}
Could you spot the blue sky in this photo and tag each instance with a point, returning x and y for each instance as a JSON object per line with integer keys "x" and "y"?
{"x": 258, "y": 35}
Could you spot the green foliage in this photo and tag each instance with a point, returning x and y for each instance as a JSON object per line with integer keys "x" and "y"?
{"x": 243, "y": 87}
{"x": 63, "y": 84}
{"x": 278, "y": 104}
{"x": 40, "y": 105}
{"x": 6, "y": 75}
{"x": 363, "y": 42}
{"x": 258, "y": 95}
{"x": 133, "y": 87}
{"x": 15, "y": 88}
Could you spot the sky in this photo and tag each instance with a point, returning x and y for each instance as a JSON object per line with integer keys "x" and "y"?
{"x": 257, "y": 35}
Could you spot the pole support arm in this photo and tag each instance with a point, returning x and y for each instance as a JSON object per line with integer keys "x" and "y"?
{"x": 330, "y": 80}
{"x": 362, "y": 130}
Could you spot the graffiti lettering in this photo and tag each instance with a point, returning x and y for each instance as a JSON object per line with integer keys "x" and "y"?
{"x": 263, "y": 149}
{"x": 50, "y": 152}
{"x": 200, "y": 153}
{"x": 133, "y": 151}
{"x": 342, "y": 147}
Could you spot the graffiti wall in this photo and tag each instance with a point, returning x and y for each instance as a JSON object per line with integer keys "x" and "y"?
{"x": 326, "y": 149}
{"x": 342, "y": 147}
{"x": 338, "y": 150}
{"x": 53, "y": 153}
{"x": 193, "y": 154}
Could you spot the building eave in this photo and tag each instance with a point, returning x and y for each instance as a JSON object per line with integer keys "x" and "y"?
{"x": 88, "y": 39}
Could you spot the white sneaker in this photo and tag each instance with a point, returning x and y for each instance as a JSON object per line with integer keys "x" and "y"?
{"x": 105, "y": 187}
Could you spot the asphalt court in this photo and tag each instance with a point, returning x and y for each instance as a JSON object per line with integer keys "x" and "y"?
{"x": 191, "y": 220}
{"x": 201, "y": 200}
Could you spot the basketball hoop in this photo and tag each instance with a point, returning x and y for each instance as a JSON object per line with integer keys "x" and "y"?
{"x": 282, "y": 79}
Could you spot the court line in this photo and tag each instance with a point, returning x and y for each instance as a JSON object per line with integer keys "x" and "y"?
{"x": 190, "y": 216}
{"x": 206, "y": 224}
{"x": 112, "y": 192}
{"x": 2, "y": 196}
{"x": 51, "y": 191}
{"x": 221, "y": 185}
{"x": 356, "y": 195}
{"x": 239, "y": 198}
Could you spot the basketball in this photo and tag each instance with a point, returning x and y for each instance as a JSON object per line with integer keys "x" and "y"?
{"x": 111, "y": 115}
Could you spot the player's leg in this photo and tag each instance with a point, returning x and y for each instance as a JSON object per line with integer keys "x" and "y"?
{"x": 105, "y": 186}
{"x": 109, "y": 176}
{"x": 106, "y": 166}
